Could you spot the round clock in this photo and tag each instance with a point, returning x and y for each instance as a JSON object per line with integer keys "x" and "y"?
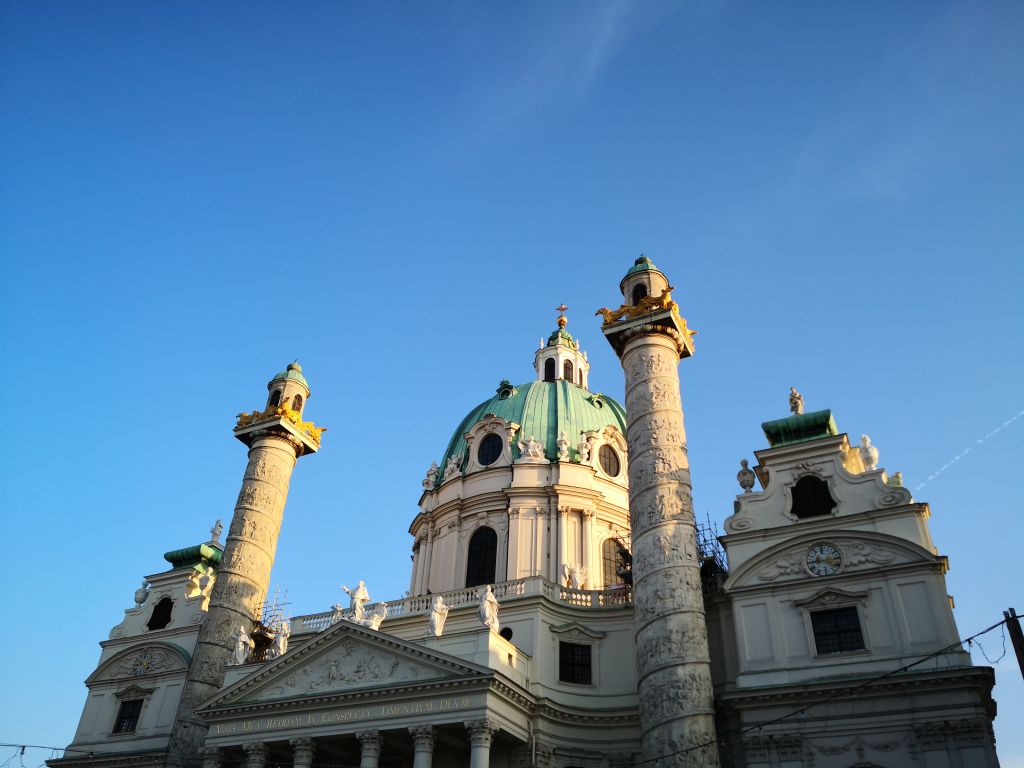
{"x": 824, "y": 559}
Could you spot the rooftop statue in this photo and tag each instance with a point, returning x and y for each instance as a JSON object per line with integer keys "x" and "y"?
{"x": 280, "y": 640}
{"x": 375, "y": 619}
{"x": 438, "y": 614}
{"x": 243, "y": 646}
{"x": 796, "y": 402}
{"x": 431, "y": 478}
{"x": 868, "y": 453}
{"x": 215, "y": 532}
{"x": 358, "y": 598}
{"x": 531, "y": 449}
{"x": 488, "y": 609}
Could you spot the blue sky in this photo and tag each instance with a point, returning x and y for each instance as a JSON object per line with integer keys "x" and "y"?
{"x": 194, "y": 194}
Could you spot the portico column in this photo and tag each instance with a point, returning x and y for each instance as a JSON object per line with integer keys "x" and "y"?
{"x": 255, "y": 755}
{"x": 480, "y": 734}
{"x": 588, "y": 546}
{"x": 211, "y": 757}
{"x": 424, "y": 746}
{"x": 302, "y": 752}
{"x": 369, "y": 741}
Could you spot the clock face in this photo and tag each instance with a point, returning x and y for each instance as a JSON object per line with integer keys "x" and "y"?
{"x": 824, "y": 559}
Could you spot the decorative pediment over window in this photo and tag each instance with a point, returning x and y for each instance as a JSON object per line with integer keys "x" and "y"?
{"x": 133, "y": 692}
{"x": 575, "y": 632}
{"x": 346, "y": 658}
{"x": 489, "y": 443}
{"x": 831, "y": 597}
{"x": 140, "y": 661}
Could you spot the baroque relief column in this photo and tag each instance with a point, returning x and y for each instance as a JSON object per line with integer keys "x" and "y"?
{"x": 369, "y": 742}
{"x": 481, "y": 732}
{"x": 423, "y": 737}
{"x": 276, "y": 438}
{"x": 302, "y": 752}
{"x": 673, "y": 666}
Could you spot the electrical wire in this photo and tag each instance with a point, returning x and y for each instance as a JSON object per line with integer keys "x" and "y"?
{"x": 833, "y": 697}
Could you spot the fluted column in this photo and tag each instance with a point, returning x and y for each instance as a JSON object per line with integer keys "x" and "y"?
{"x": 302, "y": 752}
{"x": 369, "y": 742}
{"x": 423, "y": 738}
{"x": 481, "y": 732}
{"x": 255, "y": 755}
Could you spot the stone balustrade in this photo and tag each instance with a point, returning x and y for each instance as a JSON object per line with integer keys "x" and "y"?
{"x": 532, "y": 586}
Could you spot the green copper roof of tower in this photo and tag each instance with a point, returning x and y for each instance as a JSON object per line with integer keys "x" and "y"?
{"x": 543, "y": 409}
{"x": 800, "y": 429}
{"x": 200, "y": 554}
{"x": 643, "y": 264}
{"x": 294, "y": 372}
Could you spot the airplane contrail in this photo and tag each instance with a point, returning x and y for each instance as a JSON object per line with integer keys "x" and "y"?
{"x": 968, "y": 449}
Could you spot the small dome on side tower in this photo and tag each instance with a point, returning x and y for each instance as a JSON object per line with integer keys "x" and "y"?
{"x": 643, "y": 279}
{"x": 289, "y": 388}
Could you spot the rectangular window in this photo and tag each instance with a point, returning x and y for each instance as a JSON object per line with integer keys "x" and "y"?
{"x": 128, "y": 716}
{"x": 574, "y": 663}
{"x": 837, "y": 631}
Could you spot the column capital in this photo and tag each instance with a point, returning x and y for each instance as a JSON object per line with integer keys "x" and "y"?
{"x": 369, "y": 741}
{"x": 255, "y": 754}
{"x": 211, "y": 757}
{"x": 481, "y": 731}
{"x": 303, "y": 750}
{"x": 587, "y": 513}
{"x": 423, "y": 735}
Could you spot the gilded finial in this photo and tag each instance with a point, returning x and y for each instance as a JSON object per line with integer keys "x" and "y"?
{"x": 562, "y": 321}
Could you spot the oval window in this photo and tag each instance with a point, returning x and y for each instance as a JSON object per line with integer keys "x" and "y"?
{"x": 609, "y": 460}
{"x": 490, "y": 450}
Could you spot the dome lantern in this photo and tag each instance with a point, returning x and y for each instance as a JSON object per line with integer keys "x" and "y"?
{"x": 561, "y": 359}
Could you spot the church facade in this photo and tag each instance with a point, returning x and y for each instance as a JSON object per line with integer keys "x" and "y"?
{"x": 563, "y": 611}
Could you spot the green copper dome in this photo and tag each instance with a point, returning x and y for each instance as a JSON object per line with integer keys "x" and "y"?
{"x": 293, "y": 372}
{"x": 543, "y": 409}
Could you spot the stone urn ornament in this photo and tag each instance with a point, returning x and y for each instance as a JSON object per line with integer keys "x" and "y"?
{"x": 745, "y": 477}
{"x": 141, "y": 594}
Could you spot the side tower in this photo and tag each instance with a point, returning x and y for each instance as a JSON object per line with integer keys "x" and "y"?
{"x": 673, "y": 667}
{"x": 277, "y": 436}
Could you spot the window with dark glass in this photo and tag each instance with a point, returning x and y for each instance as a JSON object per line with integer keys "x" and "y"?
{"x": 567, "y": 371}
{"x": 639, "y": 293}
{"x": 581, "y": 377}
{"x": 610, "y": 562}
{"x": 161, "y": 614}
{"x": 811, "y": 498}
{"x": 275, "y": 398}
{"x": 837, "y": 630}
{"x": 489, "y": 450}
{"x": 574, "y": 663}
{"x": 482, "y": 557}
{"x": 128, "y": 716}
{"x": 297, "y": 403}
{"x": 549, "y": 369}
{"x": 609, "y": 460}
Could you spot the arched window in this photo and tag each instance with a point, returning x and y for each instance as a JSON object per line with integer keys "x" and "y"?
{"x": 567, "y": 371}
{"x": 161, "y": 614}
{"x": 639, "y": 293}
{"x": 482, "y": 557}
{"x": 581, "y": 377}
{"x": 811, "y": 498}
{"x": 275, "y": 398}
{"x": 549, "y": 369}
{"x": 297, "y": 403}
{"x": 610, "y": 562}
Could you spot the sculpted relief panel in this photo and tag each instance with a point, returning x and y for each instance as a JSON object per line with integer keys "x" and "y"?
{"x": 349, "y": 665}
{"x": 142, "y": 662}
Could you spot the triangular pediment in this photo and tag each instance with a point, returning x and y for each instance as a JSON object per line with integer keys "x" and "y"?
{"x": 343, "y": 659}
